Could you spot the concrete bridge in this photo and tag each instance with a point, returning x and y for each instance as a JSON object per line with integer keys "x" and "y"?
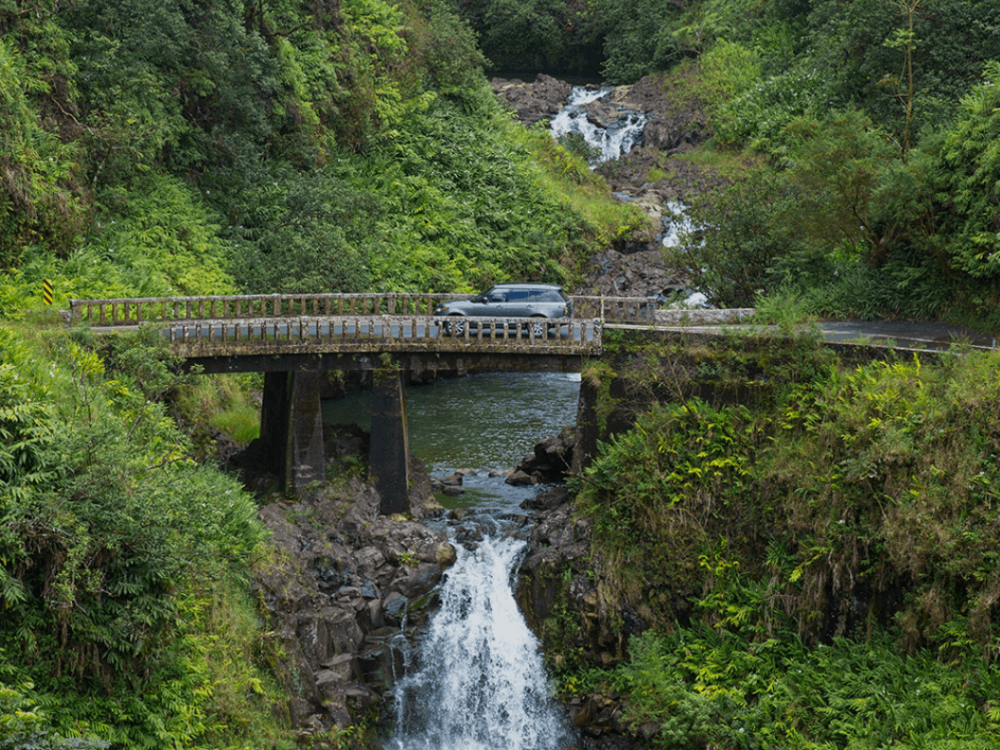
{"x": 294, "y": 339}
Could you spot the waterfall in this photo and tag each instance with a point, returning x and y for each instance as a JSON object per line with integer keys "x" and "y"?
{"x": 479, "y": 682}
{"x": 677, "y": 225}
{"x": 614, "y": 140}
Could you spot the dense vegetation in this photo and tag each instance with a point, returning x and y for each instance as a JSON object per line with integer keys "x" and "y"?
{"x": 155, "y": 148}
{"x": 871, "y": 123}
{"x": 816, "y": 564}
{"x": 125, "y": 562}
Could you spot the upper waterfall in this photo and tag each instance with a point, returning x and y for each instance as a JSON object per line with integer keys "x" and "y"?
{"x": 615, "y": 136}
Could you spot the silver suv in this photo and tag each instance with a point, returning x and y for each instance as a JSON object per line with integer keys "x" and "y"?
{"x": 509, "y": 301}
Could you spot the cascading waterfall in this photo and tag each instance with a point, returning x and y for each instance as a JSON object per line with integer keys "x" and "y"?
{"x": 613, "y": 141}
{"x": 677, "y": 225}
{"x": 479, "y": 682}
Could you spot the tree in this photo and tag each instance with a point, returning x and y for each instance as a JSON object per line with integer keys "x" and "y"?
{"x": 905, "y": 39}
{"x": 968, "y": 180}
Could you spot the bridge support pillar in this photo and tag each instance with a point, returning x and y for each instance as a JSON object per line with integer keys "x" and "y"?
{"x": 388, "y": 458}
{"x": 586, "y": 426}
{"x": 291, "y": 427}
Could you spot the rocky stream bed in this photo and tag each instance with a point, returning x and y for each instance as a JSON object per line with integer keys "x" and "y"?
{"x": 672, "y": 129}
{"x": 348, "y": 587}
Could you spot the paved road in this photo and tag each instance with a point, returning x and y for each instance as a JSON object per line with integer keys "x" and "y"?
{"x": 906, "y": 335}
{"x": 900, "y": 333}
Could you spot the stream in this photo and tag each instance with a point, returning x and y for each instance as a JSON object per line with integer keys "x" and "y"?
{"x": 610, "y": 142}
{"x": 475, "y": 679}
{"x": 485, "y": 421}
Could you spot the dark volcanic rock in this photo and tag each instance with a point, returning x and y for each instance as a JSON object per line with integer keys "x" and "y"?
{"x": 675, "y": 124}
{"x": 535, "y": 101}
{"x": 551, "y": 460}
{"x": 561, "y": 598}
{"x": 341, "y": 573}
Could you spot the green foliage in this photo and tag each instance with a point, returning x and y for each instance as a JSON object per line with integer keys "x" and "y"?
{"x": 836, "y": 494}
{"x": 525, "y": 35}
{"x": 818, "y": 566}
{"x": 463, "y": 203}
{"x": 836, "y": 167}
{"x": 728, "y": 69}
{"x": 39, "y": 192}
{"x": 701, "y": 686}
{"x": 639, "y": 39}
{"x": 160, "y": 241}
{"x": 577, "y": 145}
{"x": 111, "y": 537}
{"x": 303, "y": 232}
{"x": 448, "y": 52}
{"x": 223, "y": 402}
{"x": 969, "y": 170}
{"x": 23, "y": 725}
{"x": 743, "y": 238}
{"x": 757, "y": 117}
{"x": 656, "y": 490}
{"x": 856, "y": 47}
{"x": 844, "y": 221}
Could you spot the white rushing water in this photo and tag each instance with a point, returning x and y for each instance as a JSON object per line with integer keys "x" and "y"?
{"x": 613, "y": 141}
{"x": 677, "y": 225}
{"x": 479, "y": 682}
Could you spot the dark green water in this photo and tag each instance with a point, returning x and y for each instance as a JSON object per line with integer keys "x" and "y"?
{"x": 487, "y": 421}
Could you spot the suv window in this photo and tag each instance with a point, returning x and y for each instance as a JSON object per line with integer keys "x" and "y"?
{"x": 547, "y": 295}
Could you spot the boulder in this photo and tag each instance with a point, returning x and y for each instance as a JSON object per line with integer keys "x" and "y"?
{"x": 550, "y": 462}
{"x": 520, "y": 478}
{"x": 535, "y": 101}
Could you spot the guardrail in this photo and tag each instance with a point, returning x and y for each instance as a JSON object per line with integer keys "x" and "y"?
{"x": 137, "y": 311}
{"x": 376, "y": 334}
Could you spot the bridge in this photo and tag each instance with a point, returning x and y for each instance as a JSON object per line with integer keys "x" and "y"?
{"x": 293, "y": 339}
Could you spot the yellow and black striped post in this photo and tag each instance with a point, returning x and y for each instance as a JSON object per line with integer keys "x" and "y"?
{"x": 47, "y": 291}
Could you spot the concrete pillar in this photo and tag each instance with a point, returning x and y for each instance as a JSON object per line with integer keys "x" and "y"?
{"x": 291, "y": 428}
{"x": 587, "y": 428}
{"x": 388, "y": 458}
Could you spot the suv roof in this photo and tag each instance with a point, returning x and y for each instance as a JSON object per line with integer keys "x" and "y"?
{"x": 525, "y": 285}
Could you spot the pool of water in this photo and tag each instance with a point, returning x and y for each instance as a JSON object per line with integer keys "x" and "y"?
{"x": 486, "y": 422}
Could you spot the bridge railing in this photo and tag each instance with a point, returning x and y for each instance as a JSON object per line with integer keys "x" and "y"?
{"x": 616, "y": 309}
{"x": 139, "y": 310}
{"x": 411, "y": 333}
{"x": 135, "y": 311}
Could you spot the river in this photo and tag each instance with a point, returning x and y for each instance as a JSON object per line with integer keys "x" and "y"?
{"x": 486, "y": 421}
{"x": 475, "y": 679}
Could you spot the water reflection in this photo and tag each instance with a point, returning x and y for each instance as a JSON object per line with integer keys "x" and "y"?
{"x": 487, "y": 421}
